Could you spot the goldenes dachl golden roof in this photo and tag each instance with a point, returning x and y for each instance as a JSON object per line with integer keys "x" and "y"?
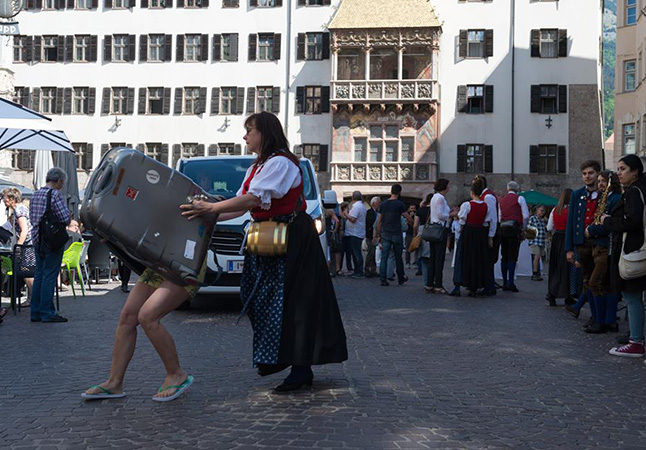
{"x": 353, "y": 14}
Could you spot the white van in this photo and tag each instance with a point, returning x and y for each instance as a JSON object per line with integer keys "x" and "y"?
{"x": 223, "y": 175}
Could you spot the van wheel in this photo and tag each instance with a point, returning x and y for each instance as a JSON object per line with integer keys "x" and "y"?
{"x": 184, "y": 306}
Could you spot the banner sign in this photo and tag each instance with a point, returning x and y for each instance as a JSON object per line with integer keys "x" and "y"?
{"x": 9, "y": 28}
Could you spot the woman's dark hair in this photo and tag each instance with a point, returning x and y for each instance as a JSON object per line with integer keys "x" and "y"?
{"x": 272, "y": 135}
{"x": 564, "y": 200}
{"x": 427, "y": 199}
{"x": 477, "y": 186}
{"x": 635, "y": 163}
{"x": 612, "y": 179}
{"x": 441, "y": 184}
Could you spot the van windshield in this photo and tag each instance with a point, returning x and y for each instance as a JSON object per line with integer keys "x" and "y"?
{"x": 224, "y": 176}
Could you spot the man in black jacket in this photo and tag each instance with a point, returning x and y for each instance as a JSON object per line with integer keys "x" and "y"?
{"x": 371, "y": 218}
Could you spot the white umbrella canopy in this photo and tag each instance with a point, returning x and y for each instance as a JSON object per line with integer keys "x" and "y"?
{"x": 42, "y": 163}
{"x": 24, "y": 129}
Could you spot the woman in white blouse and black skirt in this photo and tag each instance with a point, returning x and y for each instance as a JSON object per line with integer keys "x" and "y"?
{"x": 289, "y": 299}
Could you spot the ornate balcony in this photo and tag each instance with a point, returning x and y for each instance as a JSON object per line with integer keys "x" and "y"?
{"x": 376, "y": 172}
{"x": 385, "y": 91}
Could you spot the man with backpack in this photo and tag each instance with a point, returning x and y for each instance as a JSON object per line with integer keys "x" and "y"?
{"x": 49, "y": 218}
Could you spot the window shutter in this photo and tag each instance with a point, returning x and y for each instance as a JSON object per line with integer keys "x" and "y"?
{"x": 141, "y": 148}
{"x": 240, "y": 101}
{"x": 300, "y": 99}
{"x": 168, "y": 47}
{"x": 143, "y": 48}
{"x": 130, "y": 101}
{"x": 215, "y": 101}
{"x": 251, "y": 100}
{"x": 177, "y": 153}
{"x": 298, "y": 150}
{"x": 69, "y": 48}
{"x": 201, "y": 104}
{"x": 67, "y": 101}
{"x": 300, "y": 46}
{"x": 24, "y": 97}
{"x": 105, "y": 148}
{"x": 132, "y": 45}
{"x": 39, "y": 4}
{"x": 91, "y": 102}
{"x": 253, "y": 38}
{"x": 105, "y": 101}
{"x": 141, "y": 108}
{"x": 108, "y": 4}
{"x": 325, "y": 99}
{"x": 562, "y": 43}
{"x": 204, "y": 4}
{"x": 70, "y": 4}
{"x": 89, "y": 156}
{"x": 144, "y": 3}
{"x": 234, "y": 47}
{"x": 277, "y": 46}
{"x": 278, "y": 3}
{"x": 488, "y": 98}
{"x": 535, "y": 106}
{"x": 562, "y": 159}
{"x": 302, "y": 3}
{"x": 60, "y": 5}
{"x": 163, "y": 153}
{"x": 58, "y": 102}
{"x": 463, "y": 44}
{"x": 168, "y": 3}
{"x": 179, "y": 97}
{"x": 30, "y": 5}
{"x": 563, "y": 98}
{"x": 323, "y": 157}
{"x": 275, "y": 100}
{"x": 536, "y": 43}
{"x": 200, "y": 149}
{"x": 237, "y": 149}
{"x": 213, "y": 150}
{"x": 180, "y": 3}
{"x": 166, "y": 104}
{"x": 533, "y": 159}
{"x": 253, "y": 2}
{"x": 488, "y": 43}
{"x": 488, "y": 158}
{"x": 38, "y": 49}
{"x": 462, "y": 158}
{"x": 35, "y": 100}
{"x": 29, "y": 44}
{"x": 217, "y": 43}
{"x": 94, "y": 42}
{"x": 179, "y": 53}
{"x": 95, "y": 4}
{"x": 204, "y": 47}
{"x": 326, "y": 46}
{"x": 60, "y": 48}
{"x": 107, "y": 48}
{"x": 326, "y": 2}
{"x": 462, "y": 99}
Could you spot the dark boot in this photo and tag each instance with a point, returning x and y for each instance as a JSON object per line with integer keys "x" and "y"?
{"x": 551, "y": 299}
{"x": 504, "y": 268}
{"x": 596, "y": 328}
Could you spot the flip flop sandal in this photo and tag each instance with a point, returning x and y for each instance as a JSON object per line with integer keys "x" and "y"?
{"x": 102, "y": 396}
{"x": 180, "y": 390}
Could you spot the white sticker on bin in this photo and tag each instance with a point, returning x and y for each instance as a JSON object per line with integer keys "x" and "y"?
{"x": 189, "y": 250}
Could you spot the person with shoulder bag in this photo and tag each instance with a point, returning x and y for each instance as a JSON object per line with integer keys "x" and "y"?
{"x": 440, "y": 215}
{"x": 287, "y": 294}
{"x": 626, "y": 223}
{"x": 49, "y": 218}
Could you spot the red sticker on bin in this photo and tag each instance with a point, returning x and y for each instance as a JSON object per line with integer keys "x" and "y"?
{"x": 132, "y": 193}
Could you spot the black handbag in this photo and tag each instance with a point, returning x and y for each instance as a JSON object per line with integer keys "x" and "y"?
{"x": 51, "y": 231}
{"x": 432, "y": 232}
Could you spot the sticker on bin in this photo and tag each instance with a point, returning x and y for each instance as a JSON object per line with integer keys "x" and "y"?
{"x": 235, "y": 266}
{"x": 189, "y": 250}
{"x": 132, "y": 193}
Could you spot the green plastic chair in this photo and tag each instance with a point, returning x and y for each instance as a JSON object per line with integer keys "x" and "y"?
{"x": 72, "y": 261}
{"x": 7, "y": 269}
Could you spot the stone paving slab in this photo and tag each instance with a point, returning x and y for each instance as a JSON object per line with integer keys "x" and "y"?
{"x": 424, "y": 372}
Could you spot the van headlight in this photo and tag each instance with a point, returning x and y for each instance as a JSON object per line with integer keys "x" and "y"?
{"x": 319, "y": 224}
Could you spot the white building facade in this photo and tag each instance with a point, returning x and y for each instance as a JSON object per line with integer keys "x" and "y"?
{"x": 175, "y": 78}
{"x": 521, "y": 91}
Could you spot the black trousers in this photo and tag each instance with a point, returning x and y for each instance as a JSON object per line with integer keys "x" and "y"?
{"x": 124, "y": 273}
{"x": 436, "y": 260}
{"x": 509, "y": 247}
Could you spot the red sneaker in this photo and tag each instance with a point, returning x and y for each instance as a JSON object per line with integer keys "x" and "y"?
{"x": 631, "y": 350}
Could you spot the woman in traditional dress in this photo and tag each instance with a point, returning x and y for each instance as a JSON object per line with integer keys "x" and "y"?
{"x": 559, "y": 270}
{"x": 290, "y": 299}
{"x": 475, "y": 239}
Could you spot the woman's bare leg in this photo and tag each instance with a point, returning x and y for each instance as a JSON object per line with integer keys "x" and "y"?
{"x": 164, "y": 300}
{"x": 125, "y": 339}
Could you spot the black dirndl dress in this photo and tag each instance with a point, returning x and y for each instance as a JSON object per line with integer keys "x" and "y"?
{"x": 559, "y": 270}
{"x": 475, "y": 254}
{"x": 291, "y": 303}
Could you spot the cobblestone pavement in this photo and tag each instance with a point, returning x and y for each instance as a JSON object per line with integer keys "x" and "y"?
{"x": 424, "y": 372}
